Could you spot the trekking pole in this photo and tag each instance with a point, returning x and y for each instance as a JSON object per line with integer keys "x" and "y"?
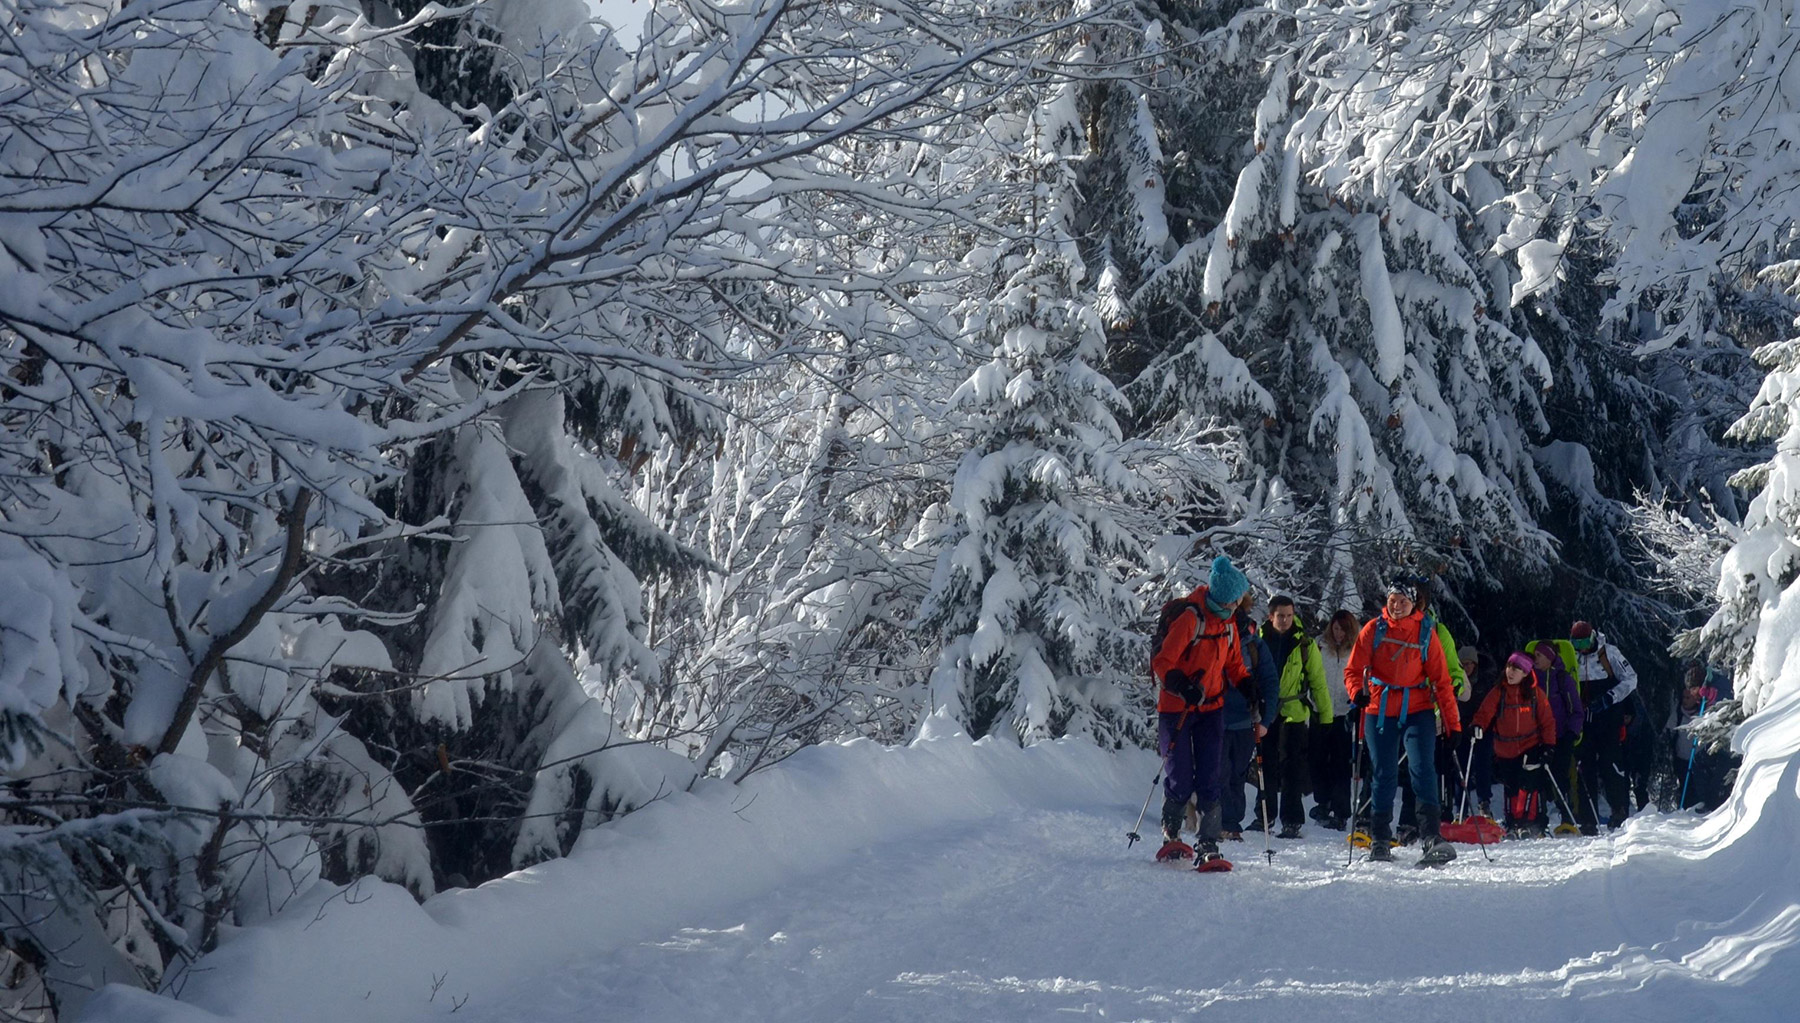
{"x": 1693, "y": 748}
{"x": 1593, "y": 798}
{"x": 1562, "y": 801}
{"x": 1462, "y": 809}
{"x": 1480, "y": 843}
{"x": 1262, "y": 797}
{"x": 1356, "y": 783}
{"x": 1132, "y": 836}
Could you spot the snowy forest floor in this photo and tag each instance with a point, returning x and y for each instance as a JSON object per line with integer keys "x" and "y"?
{"x": 956, "y": 881}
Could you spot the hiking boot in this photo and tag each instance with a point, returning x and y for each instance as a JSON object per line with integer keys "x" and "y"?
{"x": 1334, "y": 822}
{"x": 1437, "y": 852}
{"x": 1174, "y": 814}
{"x": 1381, "y": 852}
{"x": 1406, "y": 834}
{"x": 1208, "y": 859}
{"x": 1289, "y": 831}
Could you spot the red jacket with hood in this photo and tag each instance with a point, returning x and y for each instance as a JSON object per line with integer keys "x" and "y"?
{"x": 1413, "y": 683}
{"x": 1520, "y": 717}
{"x": 1206, "y": 648}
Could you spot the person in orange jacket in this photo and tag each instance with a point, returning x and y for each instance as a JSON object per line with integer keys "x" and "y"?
{"x": 1399, "y": 678}
{"x": 1518, "y": 711}
{"x": 1200, "y": 655}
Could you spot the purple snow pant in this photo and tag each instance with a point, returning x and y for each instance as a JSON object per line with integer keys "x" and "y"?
{"x": 1191, "y": 746}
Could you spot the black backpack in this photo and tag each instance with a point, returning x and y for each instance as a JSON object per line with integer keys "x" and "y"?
{"x": 1172, "y": 610}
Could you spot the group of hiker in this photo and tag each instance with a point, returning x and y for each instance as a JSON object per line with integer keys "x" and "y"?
{"x": 1368, "y": 714}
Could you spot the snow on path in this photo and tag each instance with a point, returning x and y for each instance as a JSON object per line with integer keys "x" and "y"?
{"x": 1036, "y": 916}
{"x": 951, "y": 880}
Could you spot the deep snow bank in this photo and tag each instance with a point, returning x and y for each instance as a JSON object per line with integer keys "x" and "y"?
{"x": 369, "y": 952}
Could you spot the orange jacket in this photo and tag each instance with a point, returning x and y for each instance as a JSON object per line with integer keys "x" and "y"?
{"x": 1412, "y": 683}
{"x": 1520, "y": 716}
{"x": 1206, "y": 648}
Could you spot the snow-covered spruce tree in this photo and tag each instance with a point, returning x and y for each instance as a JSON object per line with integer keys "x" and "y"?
{"x": 1751, "y": 632}
{"x": 1629, "y": 158}
{"x": 1384, "y": 408}
{"x": 1027, "y": 597}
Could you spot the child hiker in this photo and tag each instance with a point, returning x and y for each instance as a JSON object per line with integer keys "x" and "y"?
{"x": 1524, "y": 730}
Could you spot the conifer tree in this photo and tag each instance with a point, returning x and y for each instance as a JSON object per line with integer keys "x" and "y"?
{"x": 1027, "y": 597}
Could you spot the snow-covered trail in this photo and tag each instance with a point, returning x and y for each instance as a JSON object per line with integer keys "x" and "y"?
{"x": 957, "y": 881}
{"x": 1040, "y": 915}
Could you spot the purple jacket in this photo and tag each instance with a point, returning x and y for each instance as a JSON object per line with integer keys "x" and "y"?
{"x": 1565, "y": 700}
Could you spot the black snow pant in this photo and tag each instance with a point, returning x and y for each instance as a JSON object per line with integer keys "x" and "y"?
{"x": 1527, "y": 791}
{"x": 1331, "y": 751}
{"x": 1601, "y": 763}
{"x": 1286, "y": 770}
{"x": 1240, "y": 747}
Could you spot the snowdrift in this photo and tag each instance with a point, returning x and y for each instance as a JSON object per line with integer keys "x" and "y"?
{"x": 369, "y": 952}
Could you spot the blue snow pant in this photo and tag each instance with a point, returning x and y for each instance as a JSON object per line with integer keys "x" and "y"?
{"x": 1192, "y": 745}
{"x": 1240, "y": 747}
{"x": 1418, "y": 733}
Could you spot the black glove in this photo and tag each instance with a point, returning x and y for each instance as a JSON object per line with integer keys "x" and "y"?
{"x": 1361, "y": 699}
{"x": 1177, "y": 681}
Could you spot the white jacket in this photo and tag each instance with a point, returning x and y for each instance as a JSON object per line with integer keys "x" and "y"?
{"x": 1589, "y": 666}
{"x": 1335, "y": 664}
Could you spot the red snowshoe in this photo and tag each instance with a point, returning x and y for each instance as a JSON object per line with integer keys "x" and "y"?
{"x": 1473, "y": 831}
{"x": 1174, "y": 849}
{"x": 1211, "y": 862}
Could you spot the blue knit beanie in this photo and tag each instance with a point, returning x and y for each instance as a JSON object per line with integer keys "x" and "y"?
{"x": 1226, "y": 585}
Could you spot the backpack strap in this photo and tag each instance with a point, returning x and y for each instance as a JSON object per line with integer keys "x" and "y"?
{"x": 1200, "y": 633}
{"x": 1427, "y": 629}
{"x": 1199, "y": 614}
{"x": 1306, "y": 694}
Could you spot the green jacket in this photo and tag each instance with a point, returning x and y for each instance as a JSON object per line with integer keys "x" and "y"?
{"x": 1303, "y": 681}
{"x": 1459, "y": 679}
